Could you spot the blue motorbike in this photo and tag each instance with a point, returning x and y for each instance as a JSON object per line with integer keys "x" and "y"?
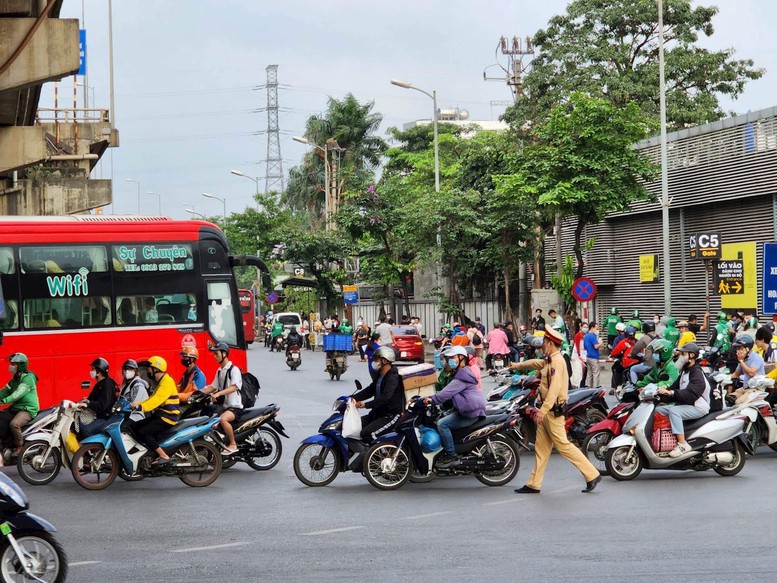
{"x": 196, "y": 462}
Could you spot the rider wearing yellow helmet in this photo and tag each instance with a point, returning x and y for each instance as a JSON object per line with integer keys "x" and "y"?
{"x": 165, "y": 405}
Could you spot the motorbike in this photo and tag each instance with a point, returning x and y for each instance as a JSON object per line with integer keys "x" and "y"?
{"x": 499, "y": 361}
{"x": 336, "y": 363}
{"x": 267, "y": 336}
{"x": 277, "y": 343}
{"x": 718, "y": 441}
{"x": 196, "y": 462}
{"x": 602, "y": 433}
{"x": 321, "y": 457}
{"x": 47, "y": 449}
{"x": 293, "y": 357}
{"x": 517, "y": 383}
{"x": 412, "y": 450}
{"x": 256, "y": 434}
{"x": 584, "y": 407}
{"x": 44, "y": 419}
{"x": 28, "y": 549}
{"x": 764, "y": 430}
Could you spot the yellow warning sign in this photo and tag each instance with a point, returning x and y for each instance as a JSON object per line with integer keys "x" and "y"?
{"x": 736, "y": 276}
{"x": 648, "y": 268}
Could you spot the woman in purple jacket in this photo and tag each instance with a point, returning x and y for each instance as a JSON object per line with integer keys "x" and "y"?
{"x": 468, "y": 402}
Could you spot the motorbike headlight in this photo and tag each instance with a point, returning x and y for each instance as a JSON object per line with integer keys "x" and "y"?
{"x": 334, "y": 426}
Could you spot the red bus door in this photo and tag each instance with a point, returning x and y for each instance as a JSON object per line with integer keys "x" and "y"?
{"x": 247, "y": 312}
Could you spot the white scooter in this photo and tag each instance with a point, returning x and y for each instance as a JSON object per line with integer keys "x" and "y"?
{"x": 718, "y": 441}
{"x": 764, "y": 430}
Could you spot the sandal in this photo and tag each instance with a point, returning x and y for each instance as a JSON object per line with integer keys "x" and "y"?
{"x": 226, "y": 452}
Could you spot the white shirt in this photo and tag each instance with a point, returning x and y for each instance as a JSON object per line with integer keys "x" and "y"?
{"x": 232, "y": 400}
{"x": 384, "y": 329}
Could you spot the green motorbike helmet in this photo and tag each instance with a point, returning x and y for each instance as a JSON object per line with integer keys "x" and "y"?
{"x": 614, "y": 311}
{"x": 722, "y": 316}
{"x": 635, "y": 314}
{"x": 662, "y": 349}
{"x": 671, "y": 322}
{"x": 751, "y": 323}
{"x": 20, "y": 360}
{"x": 346, "y": 322}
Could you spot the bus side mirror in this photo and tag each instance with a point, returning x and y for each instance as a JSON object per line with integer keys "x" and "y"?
{"x": 267, "y": 282}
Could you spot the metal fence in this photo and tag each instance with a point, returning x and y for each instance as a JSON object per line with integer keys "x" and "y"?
{"x": 428, "y": 311}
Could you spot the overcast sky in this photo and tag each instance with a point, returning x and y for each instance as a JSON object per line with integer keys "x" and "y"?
{"x": 186, "y": 75}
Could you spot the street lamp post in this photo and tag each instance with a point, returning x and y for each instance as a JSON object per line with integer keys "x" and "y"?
{"x": 664, "y": 161}
{"x": 307, "y": 142}
{"x": 254, "y": 180}
{"x": 433, "y": 96}
{"x": 138, "y": 185}
{"x": 193, "y": 212}
{"x": 159, "y": 201}
{"x": 223, "y": 202}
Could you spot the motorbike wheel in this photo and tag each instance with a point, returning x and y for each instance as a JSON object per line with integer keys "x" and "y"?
{"x": 42, "y": 550}
{"x": 32, "y": 468}
{"x": 754, "y": 436}
{"x": 316, "y": 465}
{"x": 594, "y": 416}
{"x": 338, "y": 373}
{"x": 594, "y": 447}
{"x": 332, "y": 376}
{"x": 87, "y": 475}
{"x": 267, "y": 462}
{"x": 383, "y": 470}
{"x": 208, "y": 455}
{"x": 506, "y": 450}
{"x": 621, "y": 466}
{"x": 735, "y": 466}
{"x": 417, "y": 478}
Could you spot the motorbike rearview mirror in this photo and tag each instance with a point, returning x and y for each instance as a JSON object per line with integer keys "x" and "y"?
{"x": 358, "y": 385}
{"x": 85, "y": 385}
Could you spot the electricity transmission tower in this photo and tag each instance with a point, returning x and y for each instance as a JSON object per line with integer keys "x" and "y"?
{"x": 273, "y": 174}
{"x": 515, "y": 50}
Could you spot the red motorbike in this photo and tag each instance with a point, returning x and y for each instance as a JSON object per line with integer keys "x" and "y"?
{"x": 601, "y": 434}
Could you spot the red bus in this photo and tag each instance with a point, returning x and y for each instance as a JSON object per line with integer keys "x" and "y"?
{"x": 247, "y": 309}
{"x": 78, "y": 287}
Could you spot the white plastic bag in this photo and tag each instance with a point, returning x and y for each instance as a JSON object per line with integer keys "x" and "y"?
{"x": 352, "y": 421}
{"x": 577, "y": 372}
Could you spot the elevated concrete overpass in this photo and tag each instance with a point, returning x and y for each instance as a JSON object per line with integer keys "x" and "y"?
{"x": 46, "y": 156}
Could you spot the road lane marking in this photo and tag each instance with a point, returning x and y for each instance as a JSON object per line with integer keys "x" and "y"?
{"x": 567, "y": 489}
{"x": 211, "y": 547}
{"x": 430, "y": 515}
{"x": 80, "y": 563}
{"x": 332, "y": 530}
{"x": 509, "y": 501}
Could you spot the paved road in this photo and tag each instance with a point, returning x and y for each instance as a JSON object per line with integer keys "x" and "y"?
{"x": 251, "y": 526}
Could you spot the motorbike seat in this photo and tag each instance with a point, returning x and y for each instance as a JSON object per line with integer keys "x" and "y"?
{"x": 181, "y": 426}
{"x": 580, "y": 394}
{"x": 483, "y": 421}
{"x": 692, "y": 424}
{"x": 254, "y": 412}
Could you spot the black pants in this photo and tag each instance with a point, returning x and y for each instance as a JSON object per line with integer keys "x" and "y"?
{"x": 147, "y": 430}
{"x": 375, "y": 425}
{"x": 617, "y": 374}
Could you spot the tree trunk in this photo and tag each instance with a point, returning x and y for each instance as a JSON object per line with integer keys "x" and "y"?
{"x": 453, "y": 294}
{"x": 405, "y": 292}
{"x": 579, "y": 248}
{"x": 539, "y": 255}
{"x": 506, "y": 276}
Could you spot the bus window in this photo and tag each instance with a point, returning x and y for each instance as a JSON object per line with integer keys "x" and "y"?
{"x": 9, "y": 309}
{"x": 75, "y": 312}
{"x": 63, "y": 259}
{"x": 156, "y": 309}
{"x": 221, "y": 313}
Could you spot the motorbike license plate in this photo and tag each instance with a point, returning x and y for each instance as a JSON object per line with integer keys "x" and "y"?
{"x": 295, "y": 355}
{"x": 5, "y": 529}
{"x": 403, "y": 354}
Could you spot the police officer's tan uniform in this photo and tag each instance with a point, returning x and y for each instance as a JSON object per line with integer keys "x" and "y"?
{"x": 554, "y": 387}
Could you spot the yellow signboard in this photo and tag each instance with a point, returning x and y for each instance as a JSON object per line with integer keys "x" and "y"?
{"x": 735, "y": 298}
{"x": 648, "y": 268}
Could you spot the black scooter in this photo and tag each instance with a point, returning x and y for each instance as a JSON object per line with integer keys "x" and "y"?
{"x": 28, "y": 549}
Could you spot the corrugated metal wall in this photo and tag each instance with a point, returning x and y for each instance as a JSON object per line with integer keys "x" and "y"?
{"x": 723, "y": 177}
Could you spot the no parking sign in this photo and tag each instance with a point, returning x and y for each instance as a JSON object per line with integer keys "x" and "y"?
{"x": 583, "y": 289}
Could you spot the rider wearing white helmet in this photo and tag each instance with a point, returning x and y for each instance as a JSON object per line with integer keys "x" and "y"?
{"x": 388, "y": 398}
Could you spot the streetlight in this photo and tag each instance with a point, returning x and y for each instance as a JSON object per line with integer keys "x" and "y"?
{"x": 254, "y": 180}
{"x": 193, "y": 212}
{"x": 138, "y": 185}
{"x": 87, "y": 89}
{"x": 307, "y": 142}
{"x": 159, "y": 201}
{"x": 223, "y": 202}
{"x": 433, "y": 96}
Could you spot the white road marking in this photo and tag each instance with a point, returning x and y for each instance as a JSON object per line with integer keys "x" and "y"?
{"x": 211, "y": 547}
{"x": 567, "y": 489}
{"x": 332, "y": 530}
{"x": 430, "y": 515}
{"x": 509, "y": 501}
{"x": 79, "y": 563}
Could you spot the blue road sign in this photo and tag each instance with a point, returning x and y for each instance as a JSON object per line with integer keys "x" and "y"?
{"x": 82, "y": 53}
{"x": 769, "y": 287}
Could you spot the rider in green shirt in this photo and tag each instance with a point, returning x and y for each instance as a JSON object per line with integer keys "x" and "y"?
{"x": 722, "y": 339}
{"x": 346, "y": 328}
{"x": 664, "y": 372}
{"x": 21, "y": 393}
{"x": 672, "y": 332}
{"x": 610, "y": 322}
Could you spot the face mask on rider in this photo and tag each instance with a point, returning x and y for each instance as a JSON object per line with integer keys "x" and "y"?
{"x": 93, "y": 373}
{"x": 186, "y": 362}
{"x": 12, "y": 369}
{"x": 585, "y": 329}
{"x": 129, "y": 374}
{"x": 453, "y": 363}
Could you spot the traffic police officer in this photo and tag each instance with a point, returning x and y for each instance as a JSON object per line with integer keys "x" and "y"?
{"x": 550, "y": 417}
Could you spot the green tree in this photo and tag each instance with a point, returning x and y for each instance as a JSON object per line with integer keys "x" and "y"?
{"x": 582, "y": 163}
{"x": 352, "y": 125}
{"x": 609, "y": 49}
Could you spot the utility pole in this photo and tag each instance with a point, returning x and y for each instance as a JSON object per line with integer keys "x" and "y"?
{"x": 273, "y": 175}
{"x": 665, "y": 201}
{"x": 513, "y": 77}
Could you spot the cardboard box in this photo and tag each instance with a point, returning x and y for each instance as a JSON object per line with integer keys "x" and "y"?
{"x": 419, "y": 375}
{"x": 424, "y": 391}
